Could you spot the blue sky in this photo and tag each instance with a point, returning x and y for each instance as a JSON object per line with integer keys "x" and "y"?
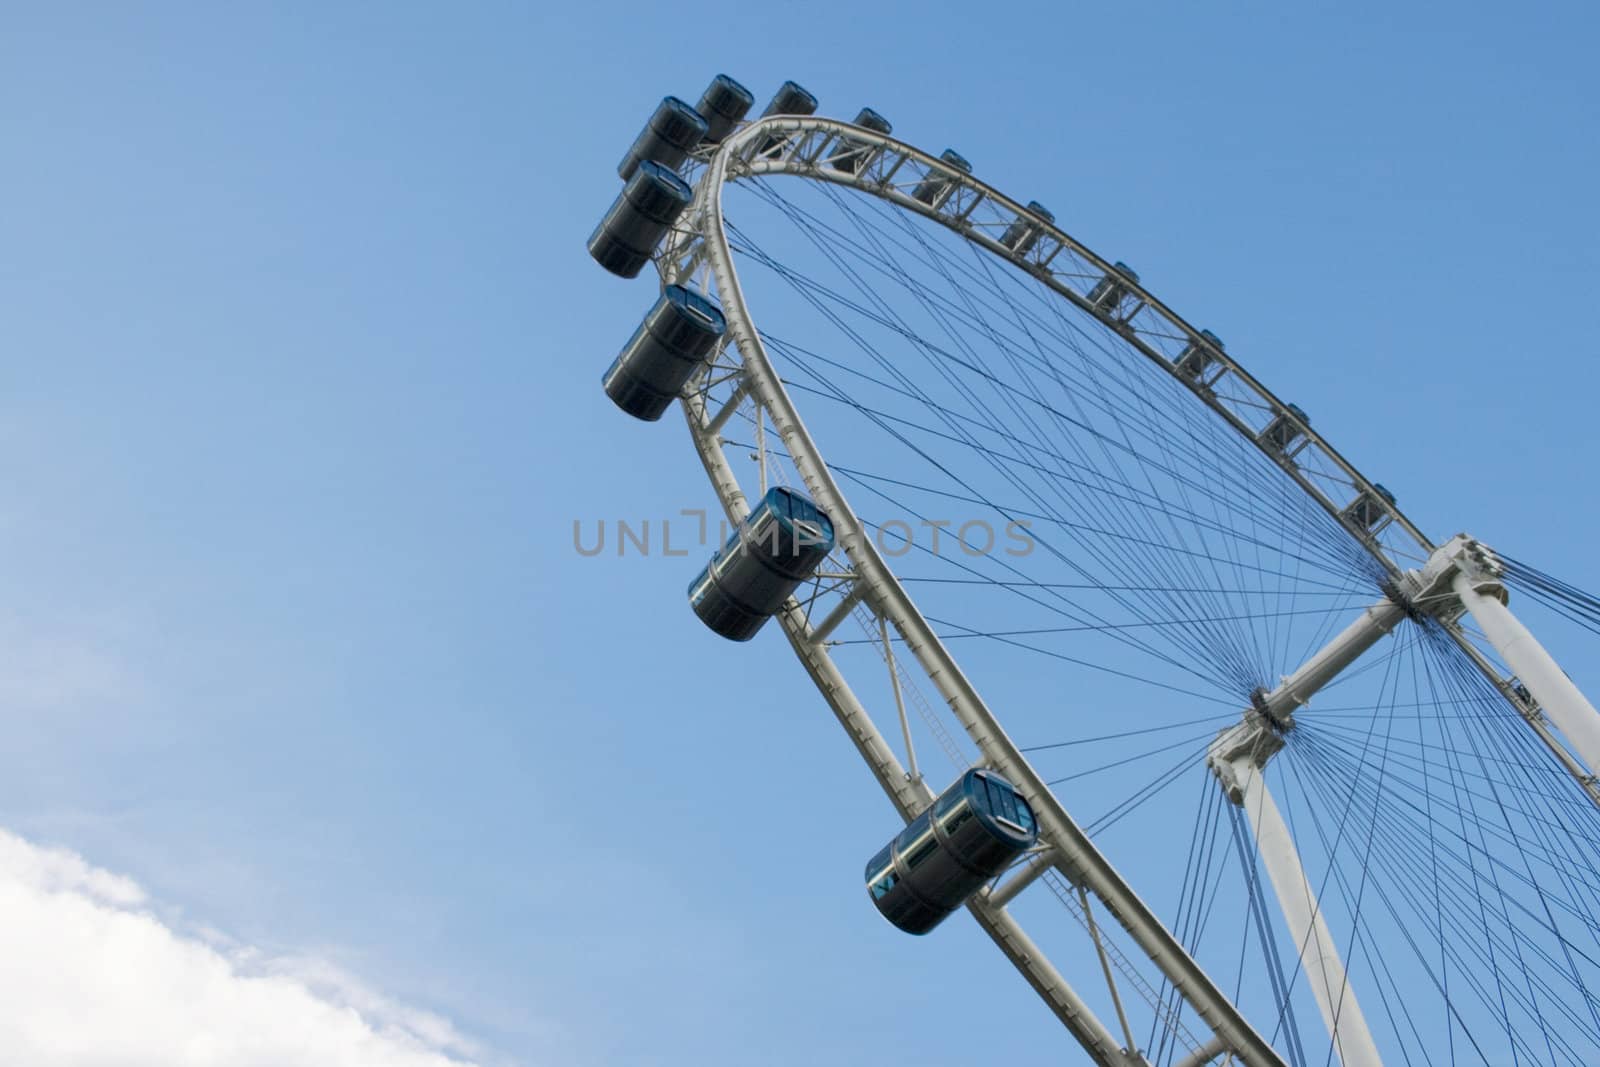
{"x": 300, "y": 403}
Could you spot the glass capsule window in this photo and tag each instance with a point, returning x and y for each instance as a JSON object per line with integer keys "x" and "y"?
{"x": 880, "y": 874}
{"x": 956, "y": 817}
{"x": 1002, "y": 801}
{"x": 921, "y": 849}
{"x": 1024, "y": 815}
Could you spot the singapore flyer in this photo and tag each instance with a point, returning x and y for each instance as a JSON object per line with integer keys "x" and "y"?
{"x": 1225, "y": 656}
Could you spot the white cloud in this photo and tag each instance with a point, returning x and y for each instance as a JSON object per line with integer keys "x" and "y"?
{"x": 90, "y": 977}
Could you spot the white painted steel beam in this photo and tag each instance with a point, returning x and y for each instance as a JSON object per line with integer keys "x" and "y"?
{"x": 1560, "y": 700}
{"x": 1204, "y": 1054}
{"x": 1297, "y": 689}
{"x": 1008, "y": 890}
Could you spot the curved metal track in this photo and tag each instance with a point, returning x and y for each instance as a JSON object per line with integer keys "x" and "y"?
{"x": 743, "y": 376}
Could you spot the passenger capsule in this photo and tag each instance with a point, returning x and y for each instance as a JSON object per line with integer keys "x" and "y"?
{"x": 1111, "y": 290}
{"x": 1285, "y": 429}
{"x": 972, "y": 833}
{"x": 670, "y": 344}
{"x": 674, "y": 128}
{"x": 778, "y": 546}
{"x": 850, "y": 155}
{"x": 938, "y": 184}
{"x": 1196, "y": 358}
{"x": 790, "y": 99}
{"x": 723, "y": 105}
{"x": 1368, "y": 509}
{"x": 1021, "y": 235}
{"x": 643, "y": 212}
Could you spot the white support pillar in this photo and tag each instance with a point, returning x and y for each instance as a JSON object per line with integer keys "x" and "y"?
{"x": 1238, "y": 757}
{"x": 1319, "y": 956}
{"x": 1558, "y": 698}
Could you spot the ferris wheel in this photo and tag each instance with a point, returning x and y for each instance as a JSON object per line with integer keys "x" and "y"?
{"x": 1164, "y": 579}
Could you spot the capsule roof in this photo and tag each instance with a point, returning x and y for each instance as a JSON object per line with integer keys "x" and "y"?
{"x": 1214, "y": 339}
{"x": 1036, "y": 208}
{"x": 1381, "y": 491}
{"x": 666, "y": 179}
{"x": 793, "y": 509}
{"x": 1297, "y": 413}
{"x": 724, "y": 89}
{"x": 1125, "y": 270}
{"x": 870, "y": 119}
{"x": 684, "y": 111}
{"x": 956, "y": 160}
{"x": 697, "y": 305}
{"x": 789, "y": 95}
{"x": 1005, "y": 812}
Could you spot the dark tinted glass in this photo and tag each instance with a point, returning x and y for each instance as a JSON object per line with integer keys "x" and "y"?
{"x": 956, "y": 819}
{"x": 1024, "y": 815}
{"x": 947, "y": 802}
{"x": 883, "y": 861}
{"x": 1002, "y": 801}
{"x": 920, "y": 850}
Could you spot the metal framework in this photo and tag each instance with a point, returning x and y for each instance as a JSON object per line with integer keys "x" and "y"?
{"x": 1441, "y": 583}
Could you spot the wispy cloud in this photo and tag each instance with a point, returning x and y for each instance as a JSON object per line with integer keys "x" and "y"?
{"x": 89, "y": 974}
